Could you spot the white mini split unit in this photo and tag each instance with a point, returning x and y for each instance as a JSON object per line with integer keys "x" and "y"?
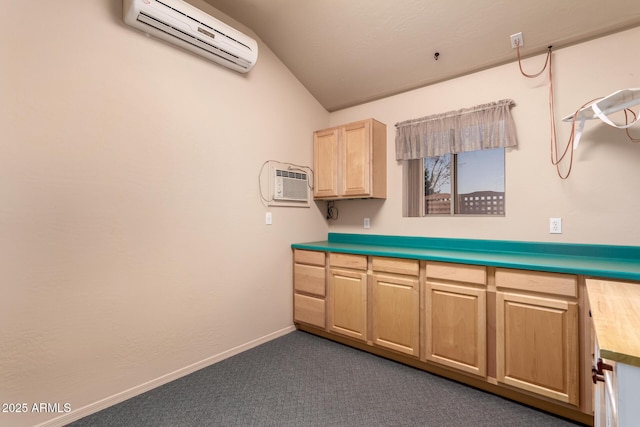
{"x": 183, "y": 25}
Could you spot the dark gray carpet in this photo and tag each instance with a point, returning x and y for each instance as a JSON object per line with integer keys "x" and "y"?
{"x": 303, "y": 380}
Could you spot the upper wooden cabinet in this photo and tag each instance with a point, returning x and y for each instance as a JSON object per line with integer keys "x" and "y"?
{"x": 350, "y": 161}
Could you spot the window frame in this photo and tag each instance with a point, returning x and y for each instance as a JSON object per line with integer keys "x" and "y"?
{"x": 455, "y": 207}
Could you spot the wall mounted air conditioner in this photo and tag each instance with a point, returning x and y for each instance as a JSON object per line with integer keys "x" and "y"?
{"x": 288, "y": 185}
{"x": 291, "y": 186}
{"x": 183, "y": 25}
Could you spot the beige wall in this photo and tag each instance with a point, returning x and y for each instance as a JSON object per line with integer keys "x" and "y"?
{"x": 132, "y": 237}
{"x": 132, "y": 240}
{"x": 598, "y": 203}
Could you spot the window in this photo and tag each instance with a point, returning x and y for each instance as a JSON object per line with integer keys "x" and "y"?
{"x": 469, "y": 183}
{"x": 454, "y": 161}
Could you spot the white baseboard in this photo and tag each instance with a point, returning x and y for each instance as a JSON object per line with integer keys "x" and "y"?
{"x": 92, "y": 408}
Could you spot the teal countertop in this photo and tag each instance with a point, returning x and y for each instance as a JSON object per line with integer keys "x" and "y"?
{"x": 606, "y": 261}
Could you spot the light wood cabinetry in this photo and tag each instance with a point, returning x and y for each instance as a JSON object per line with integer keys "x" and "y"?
{"x": 325, "y": 163}
{"x": 348, "y": 295}
{"x": 309, "y": 285}
{"x": 396, "y": 304}
{"x": 520, "y": 334}
{"x": 455, "y": 316}
{"x": 349, "y": 161}
{"x": 537, "y": 333}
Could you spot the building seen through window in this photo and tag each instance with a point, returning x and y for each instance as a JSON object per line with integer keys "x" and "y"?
{"x": 468, "y": 183}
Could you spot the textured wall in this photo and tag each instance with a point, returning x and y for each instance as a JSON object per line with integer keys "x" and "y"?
{"x": 132, "y": 237}
{"x": 598, "y": 203}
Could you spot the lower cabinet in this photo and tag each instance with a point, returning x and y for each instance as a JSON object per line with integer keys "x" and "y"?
{"x": 348, "y": 295}
{"x": 537, "y": 336}
{"x": 396, "y": 305}
{"x": 309, "y": 286}
{"x": 516, "y": 333}
{"x": 455, "y": 316}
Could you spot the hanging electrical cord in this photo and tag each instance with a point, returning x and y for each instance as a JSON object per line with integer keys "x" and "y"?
{"x": 553, "y": 141}
{"x": 626, "y": 119}
{"x": 555, "y": 158}
{"x": 531, "y": 76}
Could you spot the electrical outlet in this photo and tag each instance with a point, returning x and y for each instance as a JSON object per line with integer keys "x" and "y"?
{"x": 517, "y": 40}
{"x": 555, "y": 225}
{"x": 367, "y": 223}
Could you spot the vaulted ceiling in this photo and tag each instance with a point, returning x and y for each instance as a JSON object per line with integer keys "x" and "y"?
{"x": 346, "y": 52}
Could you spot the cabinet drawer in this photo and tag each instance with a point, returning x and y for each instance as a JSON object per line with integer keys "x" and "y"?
{"x": 410, "y": 267}
{"x": 309, "y": 279}
{"x": 309, "y": 257}
{"x": 358, "y": 262}
{"x": 538, "y": 281}
{"x": 309, "y": 310}
{"x": 457, "y": 272}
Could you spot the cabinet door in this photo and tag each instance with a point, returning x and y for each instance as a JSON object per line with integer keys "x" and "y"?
{"x": 356, "y": 159}
{"x": 348, "y": 303}
{"x": 396, "y": 313}
{"x": 325, "y": 163}
{"x": 456, "y": 327}
{"x": 537, "y": 345}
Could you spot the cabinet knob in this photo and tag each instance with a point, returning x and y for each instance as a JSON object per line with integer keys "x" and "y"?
{"x": 603, "y": 366}
{"x": 596, "y": 376}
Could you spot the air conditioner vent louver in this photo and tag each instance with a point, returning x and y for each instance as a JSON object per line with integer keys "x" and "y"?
{"x": 204, "y": 24}
{"x": 182, "y": 24}
{"x": 291, "y": 186}
{"x": 188, "y": 38}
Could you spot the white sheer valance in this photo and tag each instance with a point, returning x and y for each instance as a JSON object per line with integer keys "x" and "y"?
{"x": 478, "y": 128}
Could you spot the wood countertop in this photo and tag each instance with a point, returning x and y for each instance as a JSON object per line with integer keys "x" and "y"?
{"x": 615, "y": 309}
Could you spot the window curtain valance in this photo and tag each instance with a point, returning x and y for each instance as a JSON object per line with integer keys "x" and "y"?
{"x": 470, "y": 129}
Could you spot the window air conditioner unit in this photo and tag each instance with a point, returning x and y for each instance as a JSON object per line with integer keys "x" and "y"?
{"x": 288, "y": 185}
{"x": 291, "y": 186}
{"x": 181, "y": 24}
